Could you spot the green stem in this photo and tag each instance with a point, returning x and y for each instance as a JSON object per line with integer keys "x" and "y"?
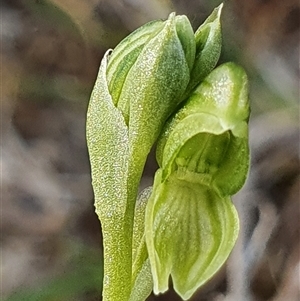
{"x": 117, "y": 242}
{"x": 117, "y": 261}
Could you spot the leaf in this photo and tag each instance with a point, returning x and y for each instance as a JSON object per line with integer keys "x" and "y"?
{"x": 54, "y": 14}
{"x": 108, "y": 144}
{"x": 190, "y": 232}
{"x": 139, "y": 222}
{"x": 84, "y": 276}
{"x": 142, "y": 283}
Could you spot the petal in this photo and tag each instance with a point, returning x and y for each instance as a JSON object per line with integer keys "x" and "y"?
{"x": 190, "y": 232}
{"x": 185, "y": 130}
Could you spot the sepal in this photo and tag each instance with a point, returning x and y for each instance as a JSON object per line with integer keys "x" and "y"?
{"x": 190, "y": 232}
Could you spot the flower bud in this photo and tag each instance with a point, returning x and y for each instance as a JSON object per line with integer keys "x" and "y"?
{"x": 148, "y": 73}
{"x": 208, "y": 48}
{"x": 125, "y": 54}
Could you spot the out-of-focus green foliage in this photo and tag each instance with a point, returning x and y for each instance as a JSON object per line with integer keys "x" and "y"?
{"x": 84, "y": 274}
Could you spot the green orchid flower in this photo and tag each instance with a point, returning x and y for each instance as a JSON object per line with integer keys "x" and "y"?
{"x": 191, "y": 225}
{"x": 139, "y": 85}
{"x": 185, "y": 225}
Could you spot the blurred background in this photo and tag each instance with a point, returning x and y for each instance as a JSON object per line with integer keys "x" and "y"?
{"x": 50, "y": 54}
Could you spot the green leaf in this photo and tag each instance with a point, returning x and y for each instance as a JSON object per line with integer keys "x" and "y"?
{"x": 54, "y": 15}
{"x": 138, "y": 238}
{"x": 131, "y": 100}
{"x": 142, "y": 283}
{"x": 190, "y": 232}
{"x": 108, "y": 144}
